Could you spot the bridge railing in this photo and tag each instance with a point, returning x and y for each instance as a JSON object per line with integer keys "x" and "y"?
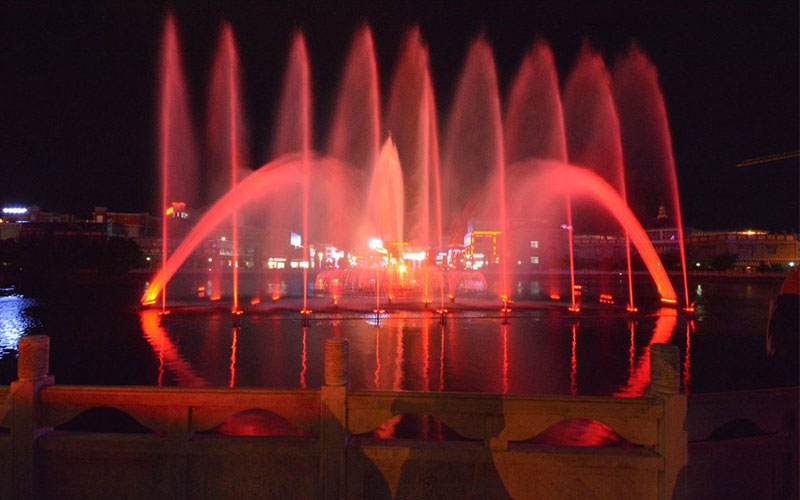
{"x": 340, "y": 458}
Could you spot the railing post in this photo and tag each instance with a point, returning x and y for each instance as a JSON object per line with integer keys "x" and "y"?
{"x": 333, "y": 420}
{"x": 32, "y": 367}
{"x": 672, "y": 435}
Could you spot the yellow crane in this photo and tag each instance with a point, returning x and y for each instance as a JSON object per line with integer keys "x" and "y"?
{"x": 769, "y": 159}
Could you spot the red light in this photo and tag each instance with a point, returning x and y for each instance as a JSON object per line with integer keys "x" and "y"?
{"x": 606, "y": 298}
{"x": 632, "y": 309}
{"x": 306, "y": 312}
{"x": 574, "y": 309}
{"x": 237, "y": 312}
{"x": 441, "y": 311}
{"x": 275, "y": 298}
{"x": 255, "y": 300}
{"x": 669, "y": 301}
{"x": 555, "y": 296}
{"x": 214, "y": 297}
{"x": 149, "y": 302}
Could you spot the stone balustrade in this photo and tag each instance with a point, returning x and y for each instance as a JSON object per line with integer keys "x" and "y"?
{"x": 338, "y": 458}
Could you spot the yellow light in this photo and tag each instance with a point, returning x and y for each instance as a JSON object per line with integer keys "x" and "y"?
{"x": 170, "y": 211}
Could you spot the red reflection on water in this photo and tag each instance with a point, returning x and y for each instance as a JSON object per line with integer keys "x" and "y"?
{"x": 426, "y": 347}
{"x": 397, "y": 384}
{"x": 441, "y": 359}
{"x": 687, "y": 367}
{"x": 233, "y": 358}
{"x": 159, "y": 341}
{"x": 377, "y": 358}
{"x": 639, "y": 377}
{"x": 573, "y": 365}
{"x": 161, "y": 363}
{"x": 304, "y": 360}
{"x": 632, "y": 350}
{"x": 505, "y": 358}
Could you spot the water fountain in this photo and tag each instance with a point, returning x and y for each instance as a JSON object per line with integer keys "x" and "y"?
{"x": 378, "y": 192}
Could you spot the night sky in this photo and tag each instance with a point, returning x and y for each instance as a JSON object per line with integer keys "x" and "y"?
{"x": 78, "y": 86}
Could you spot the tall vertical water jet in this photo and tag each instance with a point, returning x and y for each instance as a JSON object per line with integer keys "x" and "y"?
{"x": 474, "y": 157}
{"x": 411, "y": 119}
{"x": 177, "y": 151}
{"x": 647, "y": 143}
{"x": 227, "y": 133}
{"x": 407, "y": 122}
{"x": 534, "y": 125}
{"x": 293, "y": 134}
{"x": 355, "y": 130}
{"x": 435, "y": 172}
{"x": 385, "y": 204}
{"x": 593, "y": 130}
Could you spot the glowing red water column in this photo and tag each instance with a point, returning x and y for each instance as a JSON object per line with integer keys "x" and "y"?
{"x": 474, "y": 156}
{"x": 293, "y": 135}
{"x": 554, "y": 179}
{"x": 176, "y": 150}
{"x": 226, "y": 131}
{"x": 593, "y": 130}
{"x": 534, "y": 128}
{"x": 647, "y": 144}
{"x": 355, "y": 131}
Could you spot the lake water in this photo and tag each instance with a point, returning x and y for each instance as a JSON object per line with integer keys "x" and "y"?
{"x": 99, "y": 336}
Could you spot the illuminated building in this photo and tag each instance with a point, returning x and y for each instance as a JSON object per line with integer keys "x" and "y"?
{"x": 748, "y": 250}
{"x": 136, "y": 225}
{"x": 480, "y": 245}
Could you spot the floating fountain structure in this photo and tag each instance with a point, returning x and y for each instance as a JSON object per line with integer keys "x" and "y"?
{"x": 381, "y": 189}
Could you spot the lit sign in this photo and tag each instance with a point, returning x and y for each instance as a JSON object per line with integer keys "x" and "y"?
{"x": 414, "y": 255}
{"x": 15, "y": 210}
{"x": 295, "y": 240}
{"x": 375, "y": 243}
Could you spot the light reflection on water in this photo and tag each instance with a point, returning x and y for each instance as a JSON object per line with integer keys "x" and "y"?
{"x": 14, "y": 321}
{"x": 536, "y": 353}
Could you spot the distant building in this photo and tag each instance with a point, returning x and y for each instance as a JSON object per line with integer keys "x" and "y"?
{"x": 480, "y": 245}
{"x": 45, "y": 230}
{"x": 22, "y": 214}
{"x": 663, "y": 233}
{"x": 751, "y": 248}
{"x": 136, "y": 225}
{"x": 598, "y": 249}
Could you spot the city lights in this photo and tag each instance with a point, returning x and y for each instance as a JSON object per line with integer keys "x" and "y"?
{"x": 15, "y": 210}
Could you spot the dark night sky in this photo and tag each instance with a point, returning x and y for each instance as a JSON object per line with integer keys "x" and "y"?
{"x": 77, "y": 85}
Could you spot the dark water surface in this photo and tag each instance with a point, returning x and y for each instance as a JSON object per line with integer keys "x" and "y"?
{"x": 100, "y": 337}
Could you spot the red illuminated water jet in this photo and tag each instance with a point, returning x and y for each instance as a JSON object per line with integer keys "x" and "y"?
{"x": 226, "y": 133}
{"x": 647, "y": 144}
{"x": 398, "y": 194}
{"x": 593, "y": 131}
{"x": 176, "y": 151}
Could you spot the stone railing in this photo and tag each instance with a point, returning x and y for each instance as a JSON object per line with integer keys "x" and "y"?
{"x": 339, "y": 459}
